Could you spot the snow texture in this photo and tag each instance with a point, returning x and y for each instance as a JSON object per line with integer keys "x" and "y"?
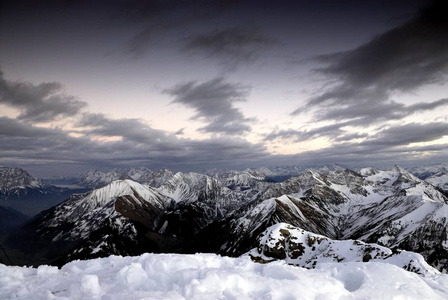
{"x": 208, "y": 276}
{"x": 306, "y": 249}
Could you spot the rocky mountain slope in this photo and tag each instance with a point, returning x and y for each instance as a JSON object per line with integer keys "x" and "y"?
{"x": 126, "y": 218}
{"x": 112, "y": 219}
{"x": 306, "y": 249}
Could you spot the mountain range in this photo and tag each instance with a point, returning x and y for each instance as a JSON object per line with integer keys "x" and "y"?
{"x": 226, "y": 212}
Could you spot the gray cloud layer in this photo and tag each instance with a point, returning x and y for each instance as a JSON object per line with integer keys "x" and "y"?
{"x": 213, "y": 102}
{"x": 362, "y": 83}
{"x": 38, "y": 103}
{"x": 26, "y": 145}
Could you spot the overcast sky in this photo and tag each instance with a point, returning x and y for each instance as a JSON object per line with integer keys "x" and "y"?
{"x": 192, "y": 85}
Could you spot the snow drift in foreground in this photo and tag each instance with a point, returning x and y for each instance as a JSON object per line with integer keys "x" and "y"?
{"x": 208, "y": 276}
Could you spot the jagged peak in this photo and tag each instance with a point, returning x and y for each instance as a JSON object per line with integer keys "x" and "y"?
{"x": 14, "y": 177}
{"x": 403, "y": 173}
{"x": 368, "y": 171}
{"x": 190, "y": 177}
{"x": 162, "y": 171}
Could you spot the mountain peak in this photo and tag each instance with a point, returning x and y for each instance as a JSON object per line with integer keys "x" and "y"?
{"x": 13, "y": 178}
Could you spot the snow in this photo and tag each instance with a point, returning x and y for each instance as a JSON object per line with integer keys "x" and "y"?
{"x": 306, "y": 249}
{"x": 209, "y": 276}
{"x": 440, "y": 180}
{"x": 17, "y": 178}
{"x": 96, "y": 179}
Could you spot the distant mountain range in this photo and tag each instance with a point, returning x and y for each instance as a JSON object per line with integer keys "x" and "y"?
{"x": 225, "y": 213}
{"x": 93, "y": 179}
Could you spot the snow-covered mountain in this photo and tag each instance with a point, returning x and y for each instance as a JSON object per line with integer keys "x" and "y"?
{"x": 126, "y": 217}
{"x": 241, "y": 180}
{"x": 94, "y": 179}
{"x": 199, "y": 201}
{"x": 392, "y": 207}
{"x": 426, "y": 171}
{"x": 156, "y": 178}
{"x": 440, "y": 180}
{"x": 275, "y": 173}
{"x": 12, "y": 179}
{"x": 306, "y": 249}
{"x": 199, "y": 213}
{"x": 27, "y": 194}
{"x": 112, "y": 219}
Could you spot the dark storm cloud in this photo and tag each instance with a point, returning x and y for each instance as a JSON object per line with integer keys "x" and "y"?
{"x": 362, "y": 82}
{"x": 213, "y": 102}
{"x": 38, "y": 103}
{"x": 402, "y": 59}
{"x": 24, "y": 144}
{"x": 13, "y": 127}
{"x": 232, "y": 46}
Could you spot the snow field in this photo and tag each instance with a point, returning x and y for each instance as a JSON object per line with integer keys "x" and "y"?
{"x": 209, "y": 276}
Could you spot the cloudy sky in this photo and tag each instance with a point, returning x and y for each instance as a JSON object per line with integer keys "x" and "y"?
{"x": 192, "y": 85}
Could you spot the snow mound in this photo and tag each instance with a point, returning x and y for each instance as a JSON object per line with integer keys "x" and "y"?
{"x": 306, "y": 249}
{"x": 208, "y": 276}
